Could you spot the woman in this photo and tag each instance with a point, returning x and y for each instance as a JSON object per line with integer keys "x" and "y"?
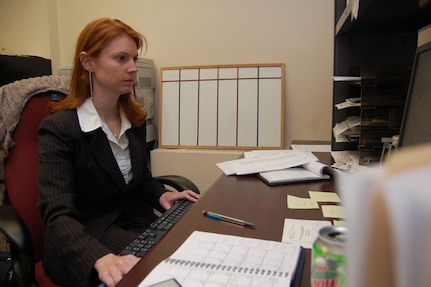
{"x": 92, "y": 177}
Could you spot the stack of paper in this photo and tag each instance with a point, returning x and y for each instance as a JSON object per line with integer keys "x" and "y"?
{"x": 277, "y": 166}
{"x": 347, "y": 130}
{"x": 266, "y": 160}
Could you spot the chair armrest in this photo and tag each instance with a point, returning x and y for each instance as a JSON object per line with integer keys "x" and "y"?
{"x": 15, "y": 230}
{"x": 21, "y": 245}
{"x": 178, "y": 182}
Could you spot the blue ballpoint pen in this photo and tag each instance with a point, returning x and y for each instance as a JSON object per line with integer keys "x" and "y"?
{"x": 228, "y": 218}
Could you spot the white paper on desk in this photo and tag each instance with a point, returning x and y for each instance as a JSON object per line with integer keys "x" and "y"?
{"x": 290, "y": 175}
{"x": 260, "y": 164}
{"x": 312, "y": 147}
{"x": 210, "y": 259}
{"x": 348, "y": 157}
{"x": 269, "y": 153}
{"x": 302, "y": 232}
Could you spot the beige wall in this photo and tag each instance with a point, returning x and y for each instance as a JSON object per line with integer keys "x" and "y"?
{"x": 298, "y": 33}
{"x": 24, "y": 27}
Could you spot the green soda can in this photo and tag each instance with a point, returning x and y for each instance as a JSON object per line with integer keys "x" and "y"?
{"x": 328, "y": 261}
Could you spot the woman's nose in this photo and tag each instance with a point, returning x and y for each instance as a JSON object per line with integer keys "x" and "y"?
{"x": 132, "y": 66}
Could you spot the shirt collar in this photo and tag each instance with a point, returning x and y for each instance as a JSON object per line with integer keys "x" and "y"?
{"x": 89, "y": 119}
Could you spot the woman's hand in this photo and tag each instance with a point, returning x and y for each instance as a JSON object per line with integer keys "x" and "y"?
{"x": 112, "y": 268}
{"x": 169, "y": 198}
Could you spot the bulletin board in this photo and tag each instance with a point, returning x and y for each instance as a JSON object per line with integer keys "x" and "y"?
{"x": 222, "y": 106}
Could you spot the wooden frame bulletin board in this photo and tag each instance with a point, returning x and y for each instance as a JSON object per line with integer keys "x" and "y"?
{"x": 222, "y": 107}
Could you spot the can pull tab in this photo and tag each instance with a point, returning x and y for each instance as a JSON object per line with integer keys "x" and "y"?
{"x": 339, "y": 236}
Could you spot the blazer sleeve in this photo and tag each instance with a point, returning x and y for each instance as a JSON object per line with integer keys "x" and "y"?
{"x": 69, "y": 252}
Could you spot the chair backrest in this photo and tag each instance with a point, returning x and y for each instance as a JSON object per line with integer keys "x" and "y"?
{"x": 21, "y": 168}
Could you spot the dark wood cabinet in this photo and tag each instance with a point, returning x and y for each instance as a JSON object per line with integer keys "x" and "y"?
{"x": 373, "y": 56}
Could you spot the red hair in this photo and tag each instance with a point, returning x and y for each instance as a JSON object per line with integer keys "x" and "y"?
{"x": 93, "y": 39}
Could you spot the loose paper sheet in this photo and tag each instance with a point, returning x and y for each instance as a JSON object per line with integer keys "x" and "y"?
{"x": 302, "y": 232}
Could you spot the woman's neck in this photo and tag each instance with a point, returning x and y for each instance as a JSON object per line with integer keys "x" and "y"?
{"x": 109, "y": 112}
{"x": 108, "y": 109}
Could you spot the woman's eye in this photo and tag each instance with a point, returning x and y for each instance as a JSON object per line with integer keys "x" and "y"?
{"x": 121, "y": 58}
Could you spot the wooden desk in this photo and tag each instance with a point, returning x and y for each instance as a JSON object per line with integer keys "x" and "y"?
{"x": 244, "y": 197}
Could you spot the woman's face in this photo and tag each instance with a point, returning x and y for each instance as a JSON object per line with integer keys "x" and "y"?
{"x": 115, "y": 68}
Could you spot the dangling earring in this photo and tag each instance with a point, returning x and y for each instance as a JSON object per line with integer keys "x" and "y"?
{"x": 91, "y": 85}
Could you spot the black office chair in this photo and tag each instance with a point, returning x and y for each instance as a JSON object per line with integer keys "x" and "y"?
{"x": 20, "y": 220}
{"x": 178, "y": 182}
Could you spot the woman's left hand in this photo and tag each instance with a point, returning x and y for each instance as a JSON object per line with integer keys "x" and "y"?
{"x": 169, "y": 198}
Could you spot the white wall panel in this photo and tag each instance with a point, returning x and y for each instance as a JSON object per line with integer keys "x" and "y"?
{"x": 237, "y": 106}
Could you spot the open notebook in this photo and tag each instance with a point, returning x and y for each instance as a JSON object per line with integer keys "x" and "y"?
{"x": 210, "y": 259}
{"x": 307, "y": 172}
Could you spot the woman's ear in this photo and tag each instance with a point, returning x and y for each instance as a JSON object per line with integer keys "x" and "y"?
{"x": 85, "y": 61}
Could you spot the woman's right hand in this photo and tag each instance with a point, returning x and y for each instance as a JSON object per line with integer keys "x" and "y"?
{"x": 112, "y": 268}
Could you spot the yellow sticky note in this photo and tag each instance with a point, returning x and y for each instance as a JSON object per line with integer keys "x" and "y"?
{"x": 295, "y": 202}
{"x": 333, "y": 211}
{"x": 339, "y": 223}
{"x": 321, "y": 196}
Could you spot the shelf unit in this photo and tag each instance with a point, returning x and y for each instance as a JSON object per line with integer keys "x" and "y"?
{"x": 377, "y": 48}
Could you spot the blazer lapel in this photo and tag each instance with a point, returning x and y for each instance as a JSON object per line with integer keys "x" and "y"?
{"x": 102, "y": 153}
{"x": 137, "y": 152}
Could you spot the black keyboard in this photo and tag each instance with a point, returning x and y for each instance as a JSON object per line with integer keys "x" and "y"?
{"x": 146, "y": 240}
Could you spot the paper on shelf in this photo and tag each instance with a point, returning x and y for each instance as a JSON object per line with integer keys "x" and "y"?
{"x": 347, "y": 104}
{"x": 346, "y": 79}
{"x": 349, "y": 124}
{"x": 355, "y": 9}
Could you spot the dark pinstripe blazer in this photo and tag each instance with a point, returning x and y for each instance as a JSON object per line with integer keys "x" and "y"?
{"x": 82, "y": 191}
